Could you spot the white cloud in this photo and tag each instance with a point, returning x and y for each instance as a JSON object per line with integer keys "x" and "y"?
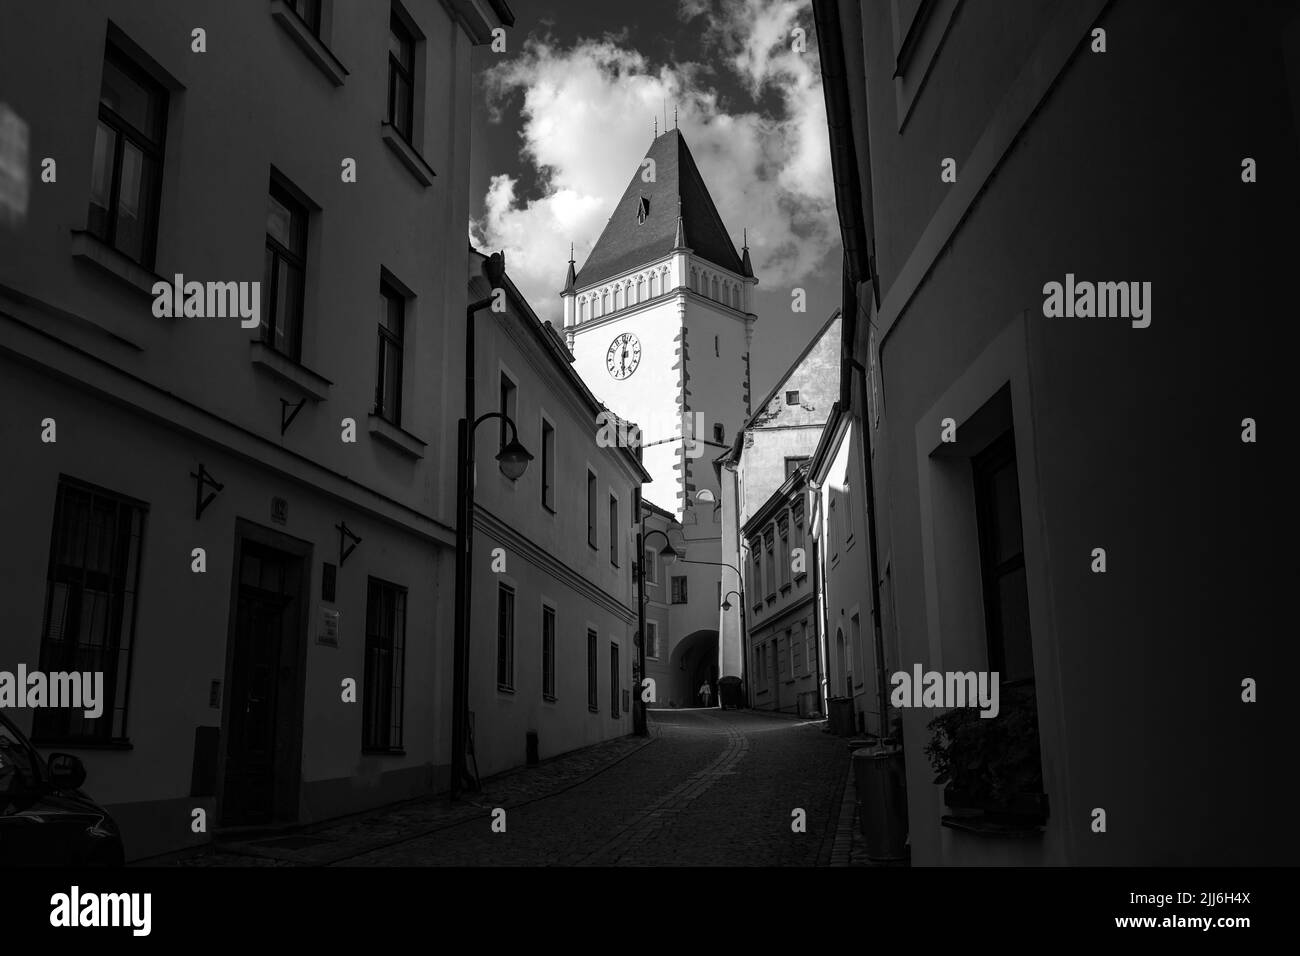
{"x": 586, "y": 122}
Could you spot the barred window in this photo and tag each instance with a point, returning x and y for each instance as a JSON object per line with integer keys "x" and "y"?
{"x": 384, "y": 666}
{"x": 90, "y": 604}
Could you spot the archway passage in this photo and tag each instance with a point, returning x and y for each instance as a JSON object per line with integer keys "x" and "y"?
{"x": 694, "y": 660}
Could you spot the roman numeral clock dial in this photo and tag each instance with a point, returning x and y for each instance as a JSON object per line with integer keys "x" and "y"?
{"x": 624, "y": 355}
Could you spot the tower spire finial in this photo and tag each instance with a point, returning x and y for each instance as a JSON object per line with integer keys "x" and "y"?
{"x": 674, "y": 117}
{"x": 656, "y": 127}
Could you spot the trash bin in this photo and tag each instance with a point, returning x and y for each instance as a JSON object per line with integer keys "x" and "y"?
{"x": 841, "y": 717}
{"x": 882, "y": 801}
{"x": 729, "y": 694}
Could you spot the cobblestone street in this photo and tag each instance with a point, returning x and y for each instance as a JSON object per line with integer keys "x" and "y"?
{"x": 709, "y": 788}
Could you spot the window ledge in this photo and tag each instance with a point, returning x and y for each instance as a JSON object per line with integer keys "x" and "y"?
{"x": 593, "y": 710}
{"x": 549, "y": 698}
{"x": 285, "y": 369}
{"x": 800, "y": 577}
{"x": 407, "y": 153}
{"x": 311, "y": 44}
{"x": 785, "y": 589}
{"x": 90, "y": 248}
{"x": 383, "y": 751}
{"x": 981, "y": 826}
{"x": 396, "y": 437}
{"x": 502, "y": 689}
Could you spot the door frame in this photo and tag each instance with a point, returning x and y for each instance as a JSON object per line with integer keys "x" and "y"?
{"x": 287, "y": 780}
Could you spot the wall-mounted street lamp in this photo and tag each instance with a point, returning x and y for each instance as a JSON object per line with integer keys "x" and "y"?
{"x": 669, "y": 554}
{"x": 513, "y": 460}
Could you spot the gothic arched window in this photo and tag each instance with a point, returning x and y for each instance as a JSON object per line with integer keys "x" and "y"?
{"x": 714, "y": 294}
{"x": 654, "y": 284}
{"x": 604, "y": 303}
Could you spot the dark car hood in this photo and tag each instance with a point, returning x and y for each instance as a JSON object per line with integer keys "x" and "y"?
{"x": 57, "y": 803}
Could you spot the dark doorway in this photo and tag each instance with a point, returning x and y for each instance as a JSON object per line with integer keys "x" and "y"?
{"x": 263, "y": 707}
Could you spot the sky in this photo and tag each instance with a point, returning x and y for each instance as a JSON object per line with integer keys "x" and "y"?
{"x": 563, "y": 117}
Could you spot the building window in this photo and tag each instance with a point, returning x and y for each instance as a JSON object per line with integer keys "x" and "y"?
{"x": 784, "y": 529}
{"x": 652, "y": 640}
{"x": 1002, "y": 561}
{"x": 769, "y": 542}
{"x": 401, "y": 75}
{"x": 651, "y": 566}
{"x": 719, "y": 432}
{"x": 309, "y": 13}
{"x": 793, "y": 464}
{"x": 548, "y": 653}
{"x": 783, "y": 660}
{"x": 679, "y": 589}
{"x": 593, "y": 690}
{"x": 792, "y": 397}
{"x": 505, "y": 637}
{"x": 392, "y": 333}
{"x": 384, "y": 666}
{"x": 508, "y": 393}
{"x": 285, "y": 271}
{"x": 760, "y": 656}
{"x": 548, "y": 466}
{"x": 615, "y": 682}
{"x": 591, "y": 508}
{"x": 833, "y": 525}
{"x": 847, "y": 513}
{"x": 126, "y": 171}
{"x": 613, "y": 531}
{"x": 90, "y": 602}
{"x": 796, "y": 515}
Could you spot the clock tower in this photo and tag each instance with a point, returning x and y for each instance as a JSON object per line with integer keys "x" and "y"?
{"x": 659, "y": 321}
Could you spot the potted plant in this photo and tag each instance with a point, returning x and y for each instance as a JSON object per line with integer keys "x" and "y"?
{"x": 991, "y": 765}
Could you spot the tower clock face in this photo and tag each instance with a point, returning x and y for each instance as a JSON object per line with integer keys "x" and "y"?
{"x": 624, "y": 355}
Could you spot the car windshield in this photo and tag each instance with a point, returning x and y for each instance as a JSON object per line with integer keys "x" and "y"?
{"x": 17, "y": 770}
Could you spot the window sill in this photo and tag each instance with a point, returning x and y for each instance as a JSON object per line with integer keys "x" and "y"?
{"x": 593, "y": 710}
{"x": 502, "y": 689}
{"x": 785, "y": 589}
{"x": 90, "y": 248}
{"x": 760, "y": 693}
{"x": 801, "y": 577}
{"x": 548, "y": 508}
{"x": 311, "y": 44}
{"x": 383, "y": 751}
{"x": 65, "y": 743}
{"x": 411, "y": 159}
{"x": 286, "y": 370}
{"x": 981, "y": 826}
{"x": 396, "y": 437}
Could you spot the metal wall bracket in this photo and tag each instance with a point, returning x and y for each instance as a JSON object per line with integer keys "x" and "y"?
{"x": 286, "y": 421}
{"x": 202, "y": 479}
{"x": 347, "y": 542}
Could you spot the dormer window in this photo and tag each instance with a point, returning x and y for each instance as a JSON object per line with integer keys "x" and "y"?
{"x": 642, "y": 210}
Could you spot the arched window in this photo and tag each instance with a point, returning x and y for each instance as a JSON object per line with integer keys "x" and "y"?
{"x": 640, "y": 288}
{"x": 619, "y": 300}
{"x": 654, "y": 284}
{"x": 604, "y": 301}
{"x": 695, "y": 281}
{"x": 582, "y": 309}
{"x": 714, "y": 294}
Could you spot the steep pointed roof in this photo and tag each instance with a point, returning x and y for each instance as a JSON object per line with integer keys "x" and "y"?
{"x": 644, "y": 224}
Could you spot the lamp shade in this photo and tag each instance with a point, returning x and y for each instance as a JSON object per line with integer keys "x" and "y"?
{"x": 514, "y": 459}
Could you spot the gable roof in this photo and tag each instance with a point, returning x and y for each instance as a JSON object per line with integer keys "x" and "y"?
{"x": 678, "y": 188}
{"x": 761, "y": 407}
